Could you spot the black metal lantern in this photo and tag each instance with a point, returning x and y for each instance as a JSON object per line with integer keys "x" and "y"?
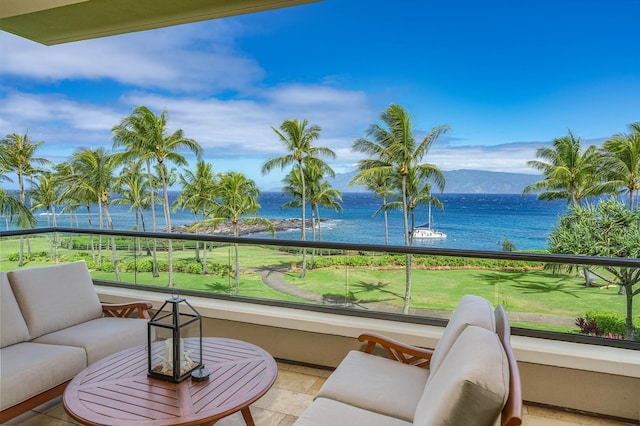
{"x": 175, "y": 341}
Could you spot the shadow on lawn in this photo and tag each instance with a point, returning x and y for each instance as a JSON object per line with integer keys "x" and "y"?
{"x": 365, "y": 287}
{"x": 527, "y": 282}
{"x": 218, "y": 288}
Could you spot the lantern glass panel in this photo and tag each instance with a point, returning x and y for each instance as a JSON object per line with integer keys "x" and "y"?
{"x": 175, "y": 341}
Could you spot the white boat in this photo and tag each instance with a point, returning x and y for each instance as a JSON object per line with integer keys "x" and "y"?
{"x": 426, "y": 232}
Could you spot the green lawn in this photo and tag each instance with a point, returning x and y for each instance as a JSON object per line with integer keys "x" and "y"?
{"x": 532, "y": 291}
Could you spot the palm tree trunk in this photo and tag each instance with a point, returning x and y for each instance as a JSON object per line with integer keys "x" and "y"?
{"x": 55, "y": 234}
{"x": 50, "y": 239}
{"x": 114, "y": 254}
{"x": 313, "y": 235}
{"x": 93, "y": 248}
{"x": 303, "y": 270}
{"x": 21, "y": 187}
{"x": 236, "y": 273}
{"x": 152, "y": 194}
{"x": 70, "y": 241}
{"x": 195, "y": 219}
{"x": 144, "y": 229}
{"x": 319, "y": 226}
{"x": 138, "y": 243}
{"x": 167, "y": 219}
{"x": 407, "y": 291}
{"x": 204, "y": 254}
{"x": 386, "y": 220}
{"x": 100, "y": 236}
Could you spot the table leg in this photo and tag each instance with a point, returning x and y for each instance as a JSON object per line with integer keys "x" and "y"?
{"x": 246, "y": 414}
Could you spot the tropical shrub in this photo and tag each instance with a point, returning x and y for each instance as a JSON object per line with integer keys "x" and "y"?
{"x": 508, "y": 245}
{"x": 608, "y": 322}
{"x": 194, "y": 268}
{"x": 144, "y": 265}
{"x": 604, "y": 324}
{"x": 222, "y": 269}
{"x": 588, "y": 327}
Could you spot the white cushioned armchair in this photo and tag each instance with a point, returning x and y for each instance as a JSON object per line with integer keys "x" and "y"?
{"x": 470, "y": 378}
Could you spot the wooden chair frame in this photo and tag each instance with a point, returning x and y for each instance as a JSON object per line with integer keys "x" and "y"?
{"x": 398, "y": 351}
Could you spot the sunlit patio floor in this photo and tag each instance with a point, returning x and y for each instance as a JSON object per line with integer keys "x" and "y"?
{"x": 291, "y": 394}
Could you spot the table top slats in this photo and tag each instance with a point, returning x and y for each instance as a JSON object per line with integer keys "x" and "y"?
{"x": 128, "y": 408}
{"x": 225, "y": 390}
{"x": 117, "y": 390}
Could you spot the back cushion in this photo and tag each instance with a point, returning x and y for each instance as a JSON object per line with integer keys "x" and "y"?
{"x": 55, "y": 297}
{"x": 471, "y": 310}
{"x": 13, "y": 329}
{"x": 471, "y": 386}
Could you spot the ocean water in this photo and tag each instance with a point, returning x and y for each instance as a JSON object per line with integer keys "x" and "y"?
{"x": 471, "y": 221}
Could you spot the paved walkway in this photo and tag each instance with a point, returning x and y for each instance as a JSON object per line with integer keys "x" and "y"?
{"x": 274, "y": 278}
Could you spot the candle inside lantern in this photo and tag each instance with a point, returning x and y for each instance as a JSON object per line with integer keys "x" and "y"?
{"x": 168, "y": 350}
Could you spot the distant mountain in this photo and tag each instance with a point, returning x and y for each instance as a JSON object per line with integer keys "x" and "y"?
{"x": 462, "y": 182}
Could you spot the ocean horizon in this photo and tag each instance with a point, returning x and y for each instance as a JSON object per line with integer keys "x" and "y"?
{"x": 471, "y": 221}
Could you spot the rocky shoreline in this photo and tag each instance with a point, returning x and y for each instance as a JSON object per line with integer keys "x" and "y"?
{"x": 244, "y": 228}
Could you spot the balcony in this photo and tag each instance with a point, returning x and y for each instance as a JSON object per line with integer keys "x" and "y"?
{"x": 563, "y": 373}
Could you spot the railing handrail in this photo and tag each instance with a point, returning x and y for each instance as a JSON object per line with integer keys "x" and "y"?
{"x": 487, "y": 254}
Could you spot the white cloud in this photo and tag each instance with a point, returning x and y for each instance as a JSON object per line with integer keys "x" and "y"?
{"x": 511, "y": 158}
{"x": 237, "y": 134}
{"x": 244, "y": 127}
{"x": 190, "y": 58}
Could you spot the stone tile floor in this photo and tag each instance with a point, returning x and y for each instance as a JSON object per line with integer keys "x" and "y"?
{"x": 292, "y": 392}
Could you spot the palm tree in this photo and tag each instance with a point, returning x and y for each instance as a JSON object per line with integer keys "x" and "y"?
{"x": 236, "y": 197}
{"x": 320, "y": 193}
{"x": 18, "y": 156}
{"x": 76, "y": 193}
{"x": 11, "y": 208}
{"x": 94, "y": 169}
{"x": 144, "y": 136}
{"x": 569, "y": 173}
{"x": 620, "y": 166}
{"x": 131, "y": 184}
{"x": 298, "y": 137}
{"x": 67, "y": 199}
{"x": 393, "y": 150}
{"x": 328, "y": 197}
{"x": 198, "y": 188}
{"x": 419, "y": 192}
{"x": 379, "y": 184}
{"x": 15, "y": 211}
{"x": 44, "y": 193}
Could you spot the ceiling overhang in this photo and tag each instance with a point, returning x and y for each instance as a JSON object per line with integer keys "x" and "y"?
{"x": 60, "y": 21}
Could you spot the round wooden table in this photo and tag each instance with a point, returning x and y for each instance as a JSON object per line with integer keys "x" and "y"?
{"x": 117, "y": 391}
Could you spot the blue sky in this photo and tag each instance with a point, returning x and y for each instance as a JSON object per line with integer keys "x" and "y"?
{"x": 507, "y": 76}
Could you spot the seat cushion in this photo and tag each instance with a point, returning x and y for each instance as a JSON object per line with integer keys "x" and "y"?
{"x": 377, "y": 384}
{"x": 13, "y": 329}
{"x": 327, "y": 412}
{"x": 471, "y": 386}
{"x": 471, "y": 310}
{"x": 27, "y": 369}
{"x": 100, "y": 337}
{"x": 55, "y": 297}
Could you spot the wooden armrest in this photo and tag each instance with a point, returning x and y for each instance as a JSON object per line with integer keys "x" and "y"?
{"x": 124, "y": 310}
{"x": 397, "y": 350}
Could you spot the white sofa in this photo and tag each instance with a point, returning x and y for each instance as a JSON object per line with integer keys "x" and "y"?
{"x": 471, "y": 378}
{"x": 52, "y": 327}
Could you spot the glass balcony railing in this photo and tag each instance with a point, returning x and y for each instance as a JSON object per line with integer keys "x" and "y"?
{"x": 574, "y": 298}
